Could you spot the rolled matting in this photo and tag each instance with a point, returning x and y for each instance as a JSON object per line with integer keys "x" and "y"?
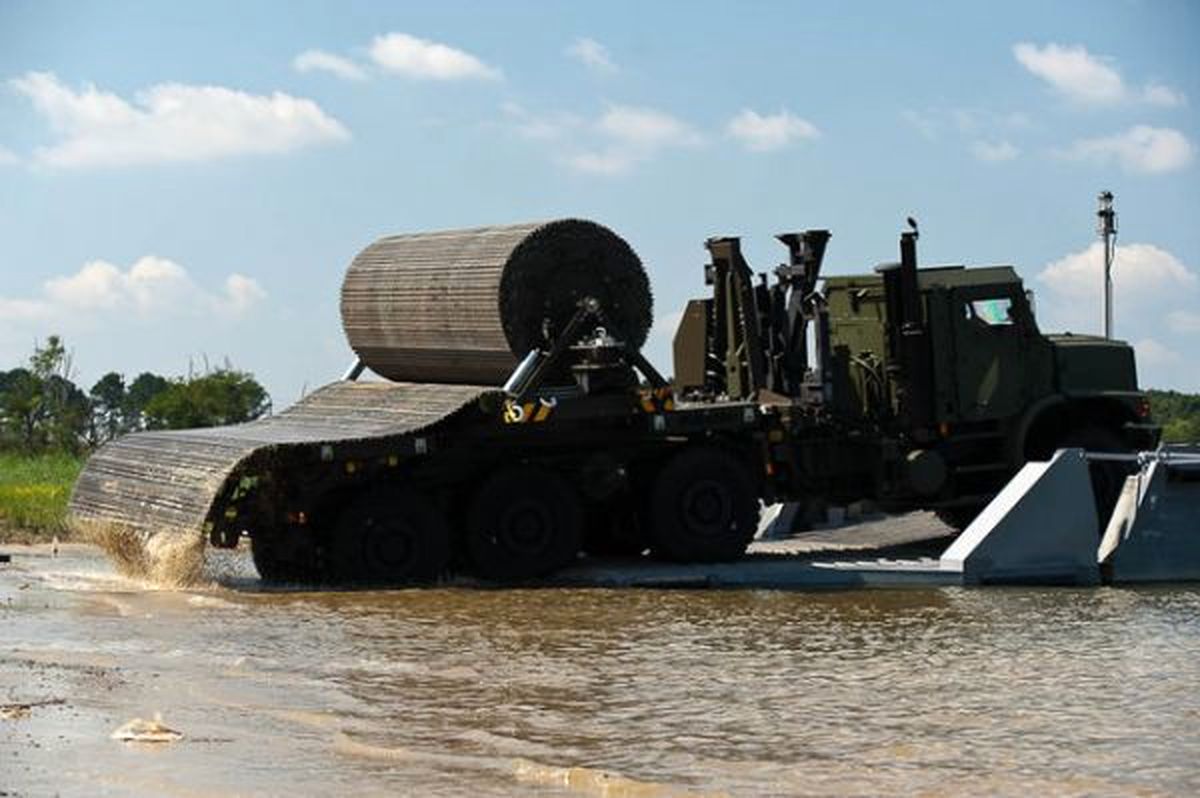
{"x": 464, "y": 306}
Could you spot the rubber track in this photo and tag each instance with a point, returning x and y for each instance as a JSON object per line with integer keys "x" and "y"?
{"x": 171, "y": 481}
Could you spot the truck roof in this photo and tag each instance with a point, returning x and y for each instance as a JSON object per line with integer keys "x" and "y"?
{"x": 952, "y": 276}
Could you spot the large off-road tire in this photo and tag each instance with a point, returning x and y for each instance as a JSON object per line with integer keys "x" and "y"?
{"x": 523, "y": 523}
{"x": 389, "y": 537}
{"x": 703, "y": 508}
{"x": 1108, "y": 477}
{"x": 614, "y": 529}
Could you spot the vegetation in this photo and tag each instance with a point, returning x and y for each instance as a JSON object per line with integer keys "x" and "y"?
{"x": 48, "y": 425}
{"x": 1179, "y": 415}
{"x": 34, "y": 490}
{"x": 223, "y": 397}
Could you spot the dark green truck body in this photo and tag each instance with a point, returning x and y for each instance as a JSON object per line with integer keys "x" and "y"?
{"x": 1001, "y": 392}
{"x": 928, "y": 388}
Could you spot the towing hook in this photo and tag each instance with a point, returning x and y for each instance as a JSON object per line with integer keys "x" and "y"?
{"x": 514, "y": 413}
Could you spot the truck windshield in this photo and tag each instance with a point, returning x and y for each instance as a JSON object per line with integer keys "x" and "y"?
{"x": 992, "y": 312}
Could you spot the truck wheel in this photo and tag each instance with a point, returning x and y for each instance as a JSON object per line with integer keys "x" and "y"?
{"x": 1107, "y": 477}
{"x": 703, "y": 508}
{"x": 524, "y": 522}
{"x": 386, "y": 537}
{"x": 614, "y": 530}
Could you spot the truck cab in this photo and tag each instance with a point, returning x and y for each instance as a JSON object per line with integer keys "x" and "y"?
{"x": 986, "y": 389}
{"x": 989, "y": 362}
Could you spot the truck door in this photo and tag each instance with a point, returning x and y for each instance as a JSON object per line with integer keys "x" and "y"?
{"x": 989, "y": 351}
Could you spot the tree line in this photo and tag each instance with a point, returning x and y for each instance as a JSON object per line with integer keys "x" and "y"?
{"x": 42, "y": 409}
{"x": 1178, "y": 413}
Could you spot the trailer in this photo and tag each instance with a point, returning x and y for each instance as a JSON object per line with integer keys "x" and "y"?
{"x": 517, "y": 426}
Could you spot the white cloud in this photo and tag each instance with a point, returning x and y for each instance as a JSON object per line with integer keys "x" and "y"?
{"x": 8, "y": 157}
{"x": 153, "y": 287}
{"x": 547, "y": 127}
{"x": 771, "y": 132}
{"x": 647, "y": 127}
{"x": 21, "y": 310}
{"x": 419, "y": 58}
{"x": 631, "y": 135}
{"x": 609, "y": 163}
{"x": 994, "y": 151}
{"x": 241, "y": 294}
{"x": 1157, "y": 94}
{"x": 1088, "y": 79}
{"x": 1147, "y": 281}
{"x": 1151, "y": 352}
{"x": 592, "y": 54}
{"x": 170, "y": 122}
{"x": 1139, "y": 150}
{"x": 614, "y": 143}
{"x": 151, "y": 282}
{"x": 1183, "y": 322}
{"x": 1139, "y": 271}
{"x": 1072, "y": 71}
{"x": 321, "y": 61}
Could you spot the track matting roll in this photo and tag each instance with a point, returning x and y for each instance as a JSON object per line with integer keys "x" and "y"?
{"x": 464, "y": 306}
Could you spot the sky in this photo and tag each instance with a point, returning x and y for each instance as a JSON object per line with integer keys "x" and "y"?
{"x": 182, "y": 185}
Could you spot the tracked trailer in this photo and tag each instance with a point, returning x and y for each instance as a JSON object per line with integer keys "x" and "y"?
{"x": 519, "y": 425}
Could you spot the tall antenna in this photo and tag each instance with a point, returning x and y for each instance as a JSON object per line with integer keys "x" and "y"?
{"x": 1107, "y": 228}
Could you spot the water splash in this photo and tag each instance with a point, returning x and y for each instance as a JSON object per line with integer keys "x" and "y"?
{"x": 167, "y": 559}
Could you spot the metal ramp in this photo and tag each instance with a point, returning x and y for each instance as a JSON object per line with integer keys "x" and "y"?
{"x": 1040, "y": 529}
{"x": 1154, "y": 534}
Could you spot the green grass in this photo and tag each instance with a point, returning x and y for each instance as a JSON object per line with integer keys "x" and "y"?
{"x": 34, "y": 490}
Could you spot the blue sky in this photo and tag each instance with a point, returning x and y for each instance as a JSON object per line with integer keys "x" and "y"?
{"x": 188, "y": 182}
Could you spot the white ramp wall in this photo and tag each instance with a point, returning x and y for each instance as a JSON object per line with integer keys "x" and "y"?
{"x": 1041, "y": 528}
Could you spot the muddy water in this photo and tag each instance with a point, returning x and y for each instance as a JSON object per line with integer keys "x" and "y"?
{"x": 593, "y": 692}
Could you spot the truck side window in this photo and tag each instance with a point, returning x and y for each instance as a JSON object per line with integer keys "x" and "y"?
{"x": 992, "y": 312}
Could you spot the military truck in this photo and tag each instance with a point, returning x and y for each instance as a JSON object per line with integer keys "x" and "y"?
{"x": 519, "y": 425}
{"x": 939, "y": 376}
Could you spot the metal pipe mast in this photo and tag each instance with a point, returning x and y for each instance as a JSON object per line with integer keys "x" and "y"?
{"x": 1107, "y": 228}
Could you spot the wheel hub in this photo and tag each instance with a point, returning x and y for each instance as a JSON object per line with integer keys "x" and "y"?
{"x": 526, "y": 528}
{"x": 389, "y": 547}
{"x": 707, "y": 508}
